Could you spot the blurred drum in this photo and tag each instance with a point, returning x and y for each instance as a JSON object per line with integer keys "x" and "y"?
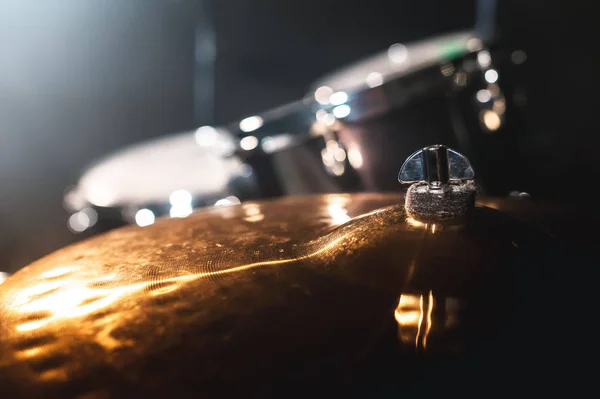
{"x": 168, "y": 176}
{"x": 356, "y": 123}
{"x": 347, "y": 135}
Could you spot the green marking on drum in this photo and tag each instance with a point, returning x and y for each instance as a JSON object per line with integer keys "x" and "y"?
{"x": 452, "y": 50}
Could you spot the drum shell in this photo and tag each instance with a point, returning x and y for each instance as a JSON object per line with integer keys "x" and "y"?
{"x": 384, "y": 126}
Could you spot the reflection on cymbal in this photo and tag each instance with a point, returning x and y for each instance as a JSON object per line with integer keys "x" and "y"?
{"x": 431, "y": 227}
{"x": 424, "y": 318}
{"x": 413, "y": 315}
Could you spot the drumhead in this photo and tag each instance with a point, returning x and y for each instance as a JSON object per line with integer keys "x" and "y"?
{"x": 151, "y": 171}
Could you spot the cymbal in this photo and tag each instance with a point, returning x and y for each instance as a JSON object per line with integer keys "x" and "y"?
{"x": 340, "y": 293}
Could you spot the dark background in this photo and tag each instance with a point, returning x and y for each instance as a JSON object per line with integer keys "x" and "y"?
{"x": 79, "y": 79}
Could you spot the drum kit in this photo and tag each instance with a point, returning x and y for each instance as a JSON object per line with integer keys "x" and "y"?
{"x": 279, "y": 255}
{"x": 346, "y": 135}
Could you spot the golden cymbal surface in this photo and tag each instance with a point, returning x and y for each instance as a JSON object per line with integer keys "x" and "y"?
{"x": 337, "y": 291}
